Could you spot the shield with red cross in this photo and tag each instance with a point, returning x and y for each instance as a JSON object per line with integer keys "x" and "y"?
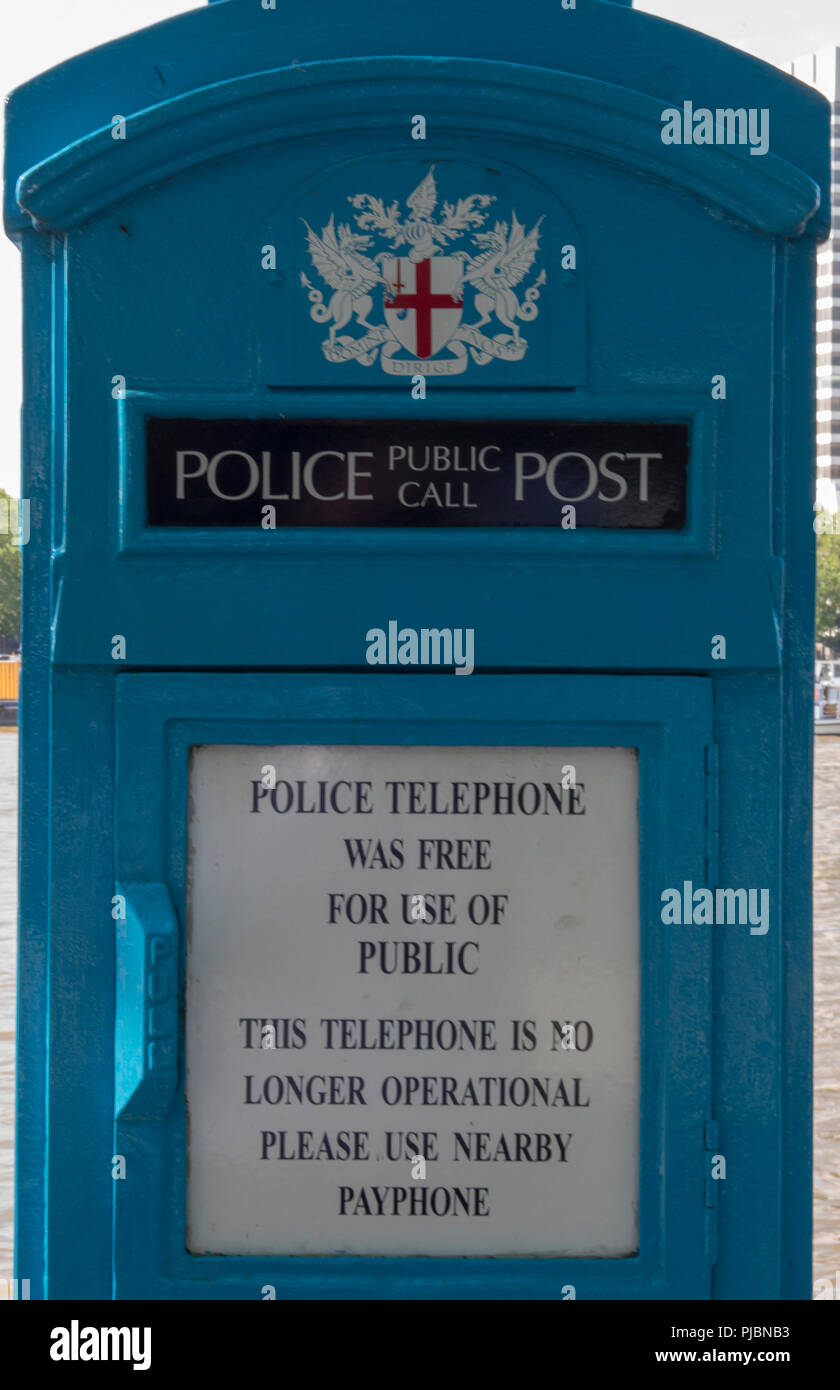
{"x": 423, "y": 301}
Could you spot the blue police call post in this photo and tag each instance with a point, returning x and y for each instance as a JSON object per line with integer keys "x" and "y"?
{"x": 417, "y": 658}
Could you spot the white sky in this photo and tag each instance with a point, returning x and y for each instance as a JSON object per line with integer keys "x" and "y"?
{"x": 775, "y": 30}
{"x": 46, "y": 32}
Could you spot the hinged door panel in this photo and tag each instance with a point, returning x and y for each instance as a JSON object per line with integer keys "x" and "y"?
{"x": 415, "y": 917}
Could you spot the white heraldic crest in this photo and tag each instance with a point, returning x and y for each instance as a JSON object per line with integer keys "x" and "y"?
{"x": 423, "y": 295}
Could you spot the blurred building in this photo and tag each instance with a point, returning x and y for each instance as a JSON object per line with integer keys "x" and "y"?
{"x": 822, "y": 70}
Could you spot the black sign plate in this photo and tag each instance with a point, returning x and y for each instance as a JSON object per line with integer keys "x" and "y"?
{"x": 452, "y": 473}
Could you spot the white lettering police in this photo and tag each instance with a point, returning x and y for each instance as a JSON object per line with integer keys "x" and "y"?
{"x": 238, "y": 480}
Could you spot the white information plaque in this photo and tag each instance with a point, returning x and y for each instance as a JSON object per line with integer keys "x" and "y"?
{"x": 413, "y": 1001}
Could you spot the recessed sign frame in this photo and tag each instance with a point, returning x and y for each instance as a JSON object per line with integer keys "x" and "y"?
{"x": 667, "y": 720}
{"x": 689, "y": 417}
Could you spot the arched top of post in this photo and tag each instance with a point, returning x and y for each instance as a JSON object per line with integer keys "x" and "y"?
{"x": 232, "y": 76}
{"x": 557, "y": 110}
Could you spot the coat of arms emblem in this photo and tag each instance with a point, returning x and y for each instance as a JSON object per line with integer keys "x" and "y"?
{"x": 423, "y": 296}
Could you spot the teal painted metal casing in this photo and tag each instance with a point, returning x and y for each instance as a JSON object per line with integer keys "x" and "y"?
{"x": 142, "y": 260}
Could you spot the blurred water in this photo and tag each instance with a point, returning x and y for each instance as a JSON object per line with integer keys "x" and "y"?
{"x": 827, "y": 1000}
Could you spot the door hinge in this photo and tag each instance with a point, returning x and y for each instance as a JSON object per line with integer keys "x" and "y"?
{"x": 712, "y": 814}
{"x": 711, "y": 1156}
